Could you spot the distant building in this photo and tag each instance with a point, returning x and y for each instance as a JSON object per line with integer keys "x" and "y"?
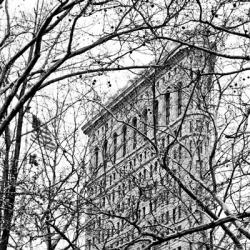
{"x": 159, "y": 120}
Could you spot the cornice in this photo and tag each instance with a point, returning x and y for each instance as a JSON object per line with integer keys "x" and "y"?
{"x": 169, "y": 61}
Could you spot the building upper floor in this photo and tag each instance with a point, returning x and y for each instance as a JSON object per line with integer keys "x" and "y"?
{"x": 170, "y": 100}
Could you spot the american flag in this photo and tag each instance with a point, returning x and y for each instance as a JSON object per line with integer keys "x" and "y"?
{"x": 41, "y": 135}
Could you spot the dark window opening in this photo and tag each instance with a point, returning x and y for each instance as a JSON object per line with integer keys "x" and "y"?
{"x": 156, "y": 112}
{"x": 96, "y": 156}
{"x": 33, "y": 160}
{"x": 145, "y": 122}
{"x": 134, "y": 124}
{"x": 167, "y": 101}
{"x": 124, "y": 133}
{"x": 115, "y": 146}
{"x": 105, "y": 149}
{"x": 179, "y": 98}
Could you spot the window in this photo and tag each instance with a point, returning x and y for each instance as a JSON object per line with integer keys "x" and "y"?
{"x": 190, "y": 246}
{"x": 155, "y": 185}
{"x": 174, "y": 215}
{"x": 174, "y": 154}
{"x": 167, "y": 103}
{"x": 129, "y": 185}
{"x": 199, "y": 147}
{"x": 167, "y": 217}
{"x": 179, "y": 212}
{"x": 124, "y": 136}
{"x": 105, "y": 149}
{"x": 190, "y": 127}
{"x": 33, "y": 160}
{"x": 175, "y": 132}
{"x": 145, "y": 121}
{"x": 96, "y": 156}
{"x": 155, "y": 204}
{"x": 115, "y": 146}
{"x": 198, "y": 125}
{"x": 191, "y": 146}
{"x": 163, "y": 142}
{"x": 199, "y": 168}
{"x": 156, "y": 165}
{"x": 123, "y": 189}
{"x": 180, "y": 152}
{"x": 207, "y": 126}
{"x": 89, "y": 244}
{"x": 130, "y": 165}
{"x": 162, "y": 218}
{"x": 140, "y": 176}
{"x": 156, "y": 112}
{"x": 119, "y": 192}
{"x": 118, "y": 227}
{"x": 179, "y": 98}
{"x": 140, "y": 157}
{"x": 106, "y": 127}
{"x": 134, "y": 124}
{"x": 150, "y": 207}
{"x": 179, "y": 191}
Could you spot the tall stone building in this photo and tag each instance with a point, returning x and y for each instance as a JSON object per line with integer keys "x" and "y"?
{"x": 146, "y": 141}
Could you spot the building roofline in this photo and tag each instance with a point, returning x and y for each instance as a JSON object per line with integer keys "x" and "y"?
{"x": 167, "y": 62}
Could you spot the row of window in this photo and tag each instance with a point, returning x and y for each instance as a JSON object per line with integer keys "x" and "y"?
{"x": 144, "y": 174}
{"x": 200, "y": 146}
{"x": 104, "y": 128}
{"x": 163, "y": 218}
{"x": 163, "y": 197}
{"x": 134, "y": 124}
{"x": 124, "y": 145}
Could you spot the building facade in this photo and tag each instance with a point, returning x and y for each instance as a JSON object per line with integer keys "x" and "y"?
{"x": 146, "y": 146}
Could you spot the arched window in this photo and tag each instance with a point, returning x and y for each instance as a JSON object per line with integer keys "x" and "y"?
{"x": 124, "y": 137}
{"x": 179, "y": 98}
{"x": 96, "y": 156}
{"x": 134, "y": 124}
{"x": 115, "y": 146}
